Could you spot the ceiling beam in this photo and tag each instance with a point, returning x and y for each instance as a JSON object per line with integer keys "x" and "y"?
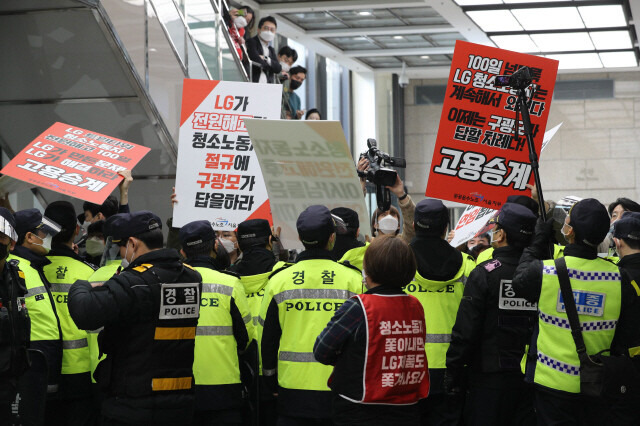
{"x": 399, "y": 52}
{"x": 319, "y": 46}
{"x": 635, "y": 16}
{"x": 319, "y": 6}
{"x": 453, "y": 14}
{"x": 418, "y": 72}
{"x": 377, "y": 31}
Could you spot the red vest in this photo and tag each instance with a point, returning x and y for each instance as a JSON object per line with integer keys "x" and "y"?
{"x": 395, "y": 369}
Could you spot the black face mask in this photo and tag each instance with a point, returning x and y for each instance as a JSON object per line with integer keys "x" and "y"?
{"x": 4, "y": 251}
{"x": 294, "y": 84}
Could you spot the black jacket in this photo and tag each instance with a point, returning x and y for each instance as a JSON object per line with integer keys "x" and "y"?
{"x": 254, "y": 49}
{"x": 14, "y": 330}
{"x": 493, "y": 325}
{"x": 627, "y": 335}
{"x": 134, "y": 308}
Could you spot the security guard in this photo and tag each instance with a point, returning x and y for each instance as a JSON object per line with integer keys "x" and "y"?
{"x": 553, "y": 363}
{"x": 492, "y": 329}
{"x": 439, "y": 284}
{"x": 348, "y": 247}
{"x": 625, "y": 409}
{"x": 299, "y": 301}
{"x": 225, "y": 328}
{"x": 35, "y": 233}
{"x": 14, "y": 319}
{"x": 255, "y": 240}
{"x": 149, "y": 313}
{"x": 67, "y": 267}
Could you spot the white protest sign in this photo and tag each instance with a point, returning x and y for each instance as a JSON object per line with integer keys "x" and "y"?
{"x": 218, "y": 175}
{"x": 305, "y": 163}
{"x": 548, "y": 135}
{"x": 473, "y": 219}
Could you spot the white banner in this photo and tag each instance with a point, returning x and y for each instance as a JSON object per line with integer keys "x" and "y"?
{"x": 473, "y": 219}
{"x": 218, "y": 175}
{"x": 548, "y": 135}
{"x": 305, "y": 163}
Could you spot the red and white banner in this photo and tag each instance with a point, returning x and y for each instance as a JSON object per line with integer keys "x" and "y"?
{"x": 478, "y": 158}
{"x": 218, "y": 176}
{"x": 75, "y": 162}
{"x": 473, "y": 219}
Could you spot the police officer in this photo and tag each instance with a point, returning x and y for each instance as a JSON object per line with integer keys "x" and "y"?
{"x": 492, "y": 328}
{"x": 35, "y": 233}
{"x": 626, "y": 237}
{"x": 299, "y": 301}
{"x": 255, "y": 239}
{"x": 553, "y": 363}
{"x": 67, "y": 267}
{"x": 225, "y": 328}
{"x": 348, "y": 247}
{"x": 149, "y": 313}
{"x": 439, "y": 283}
{"x": 14, "y": 320}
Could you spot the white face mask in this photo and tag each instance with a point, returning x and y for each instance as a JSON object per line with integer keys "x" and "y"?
{"x": 228, "y": 245}
{"x": 562, "y": 230}
{"x": 388, "y": 224}
{"x": 285, "y": 66}
{"x": 46, "y": 243}
{"x": 95, "y": 246}
{"x": 240, "y": 22}
{"x": 267, "y": 35}
{"x": 125, "y": 262}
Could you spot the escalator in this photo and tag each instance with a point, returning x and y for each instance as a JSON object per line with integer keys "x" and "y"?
{"x": 113, "y": 66}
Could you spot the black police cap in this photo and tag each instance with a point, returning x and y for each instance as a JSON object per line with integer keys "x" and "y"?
{"x": 253, "y": 228}
{"x": 523, "y": 200}
{"x": 315, "y": 224}
{"x": 63, "y": 213}
{"x": 196, "y": 232}
{"x": 431, "y": 216}
{"x": 516, "y": 219}
{"x": 27, "y": 220}
{"x": 348, "y": 216}
{"x": 114, "y": 225}
{"x": 627, "y": 227}
{"x": 136, "y": 224}
{"x": 590, "y": 221}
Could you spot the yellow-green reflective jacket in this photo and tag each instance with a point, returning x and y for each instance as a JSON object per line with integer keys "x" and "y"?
{"x": 307, "y": 295}
{"x": 216, "y": 352}
{"x": 440, "y": 300}
{"x": 44, "y": 324}
{"x": 597, "y": 290}
{"x": 355, "y": 256}
{"x": 61, "y": 273}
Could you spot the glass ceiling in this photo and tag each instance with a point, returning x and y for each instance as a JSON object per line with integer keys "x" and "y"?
{"x": 579, "y": 33}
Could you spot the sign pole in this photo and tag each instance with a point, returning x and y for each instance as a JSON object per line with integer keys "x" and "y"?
{"x": 533, "y": 157}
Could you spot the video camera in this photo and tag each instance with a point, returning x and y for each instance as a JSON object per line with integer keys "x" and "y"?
{"x": 379, "y": 173}
{"x": 520, "y": 79}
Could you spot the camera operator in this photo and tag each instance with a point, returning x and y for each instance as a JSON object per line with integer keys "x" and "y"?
{"x": 407, "y": 206}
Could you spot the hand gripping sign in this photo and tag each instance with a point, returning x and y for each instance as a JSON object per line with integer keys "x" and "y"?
{"x": 75, "y": 162}
{"x": 479, "y": 158}
{"x": 218, "y": 174}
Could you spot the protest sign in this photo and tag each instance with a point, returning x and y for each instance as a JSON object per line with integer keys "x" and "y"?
{"x": 548, "y": 135}
{"x": 473, "y": 219}
{"x": 218, "y": 175}
{"x": 75, "y": 162}
{"x": 478, "y": 159}
{"x": 306, "y": 163}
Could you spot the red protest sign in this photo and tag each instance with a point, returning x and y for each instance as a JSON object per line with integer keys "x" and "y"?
{"x": 478, "y": 159}
{"x": 75, "y": 162}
